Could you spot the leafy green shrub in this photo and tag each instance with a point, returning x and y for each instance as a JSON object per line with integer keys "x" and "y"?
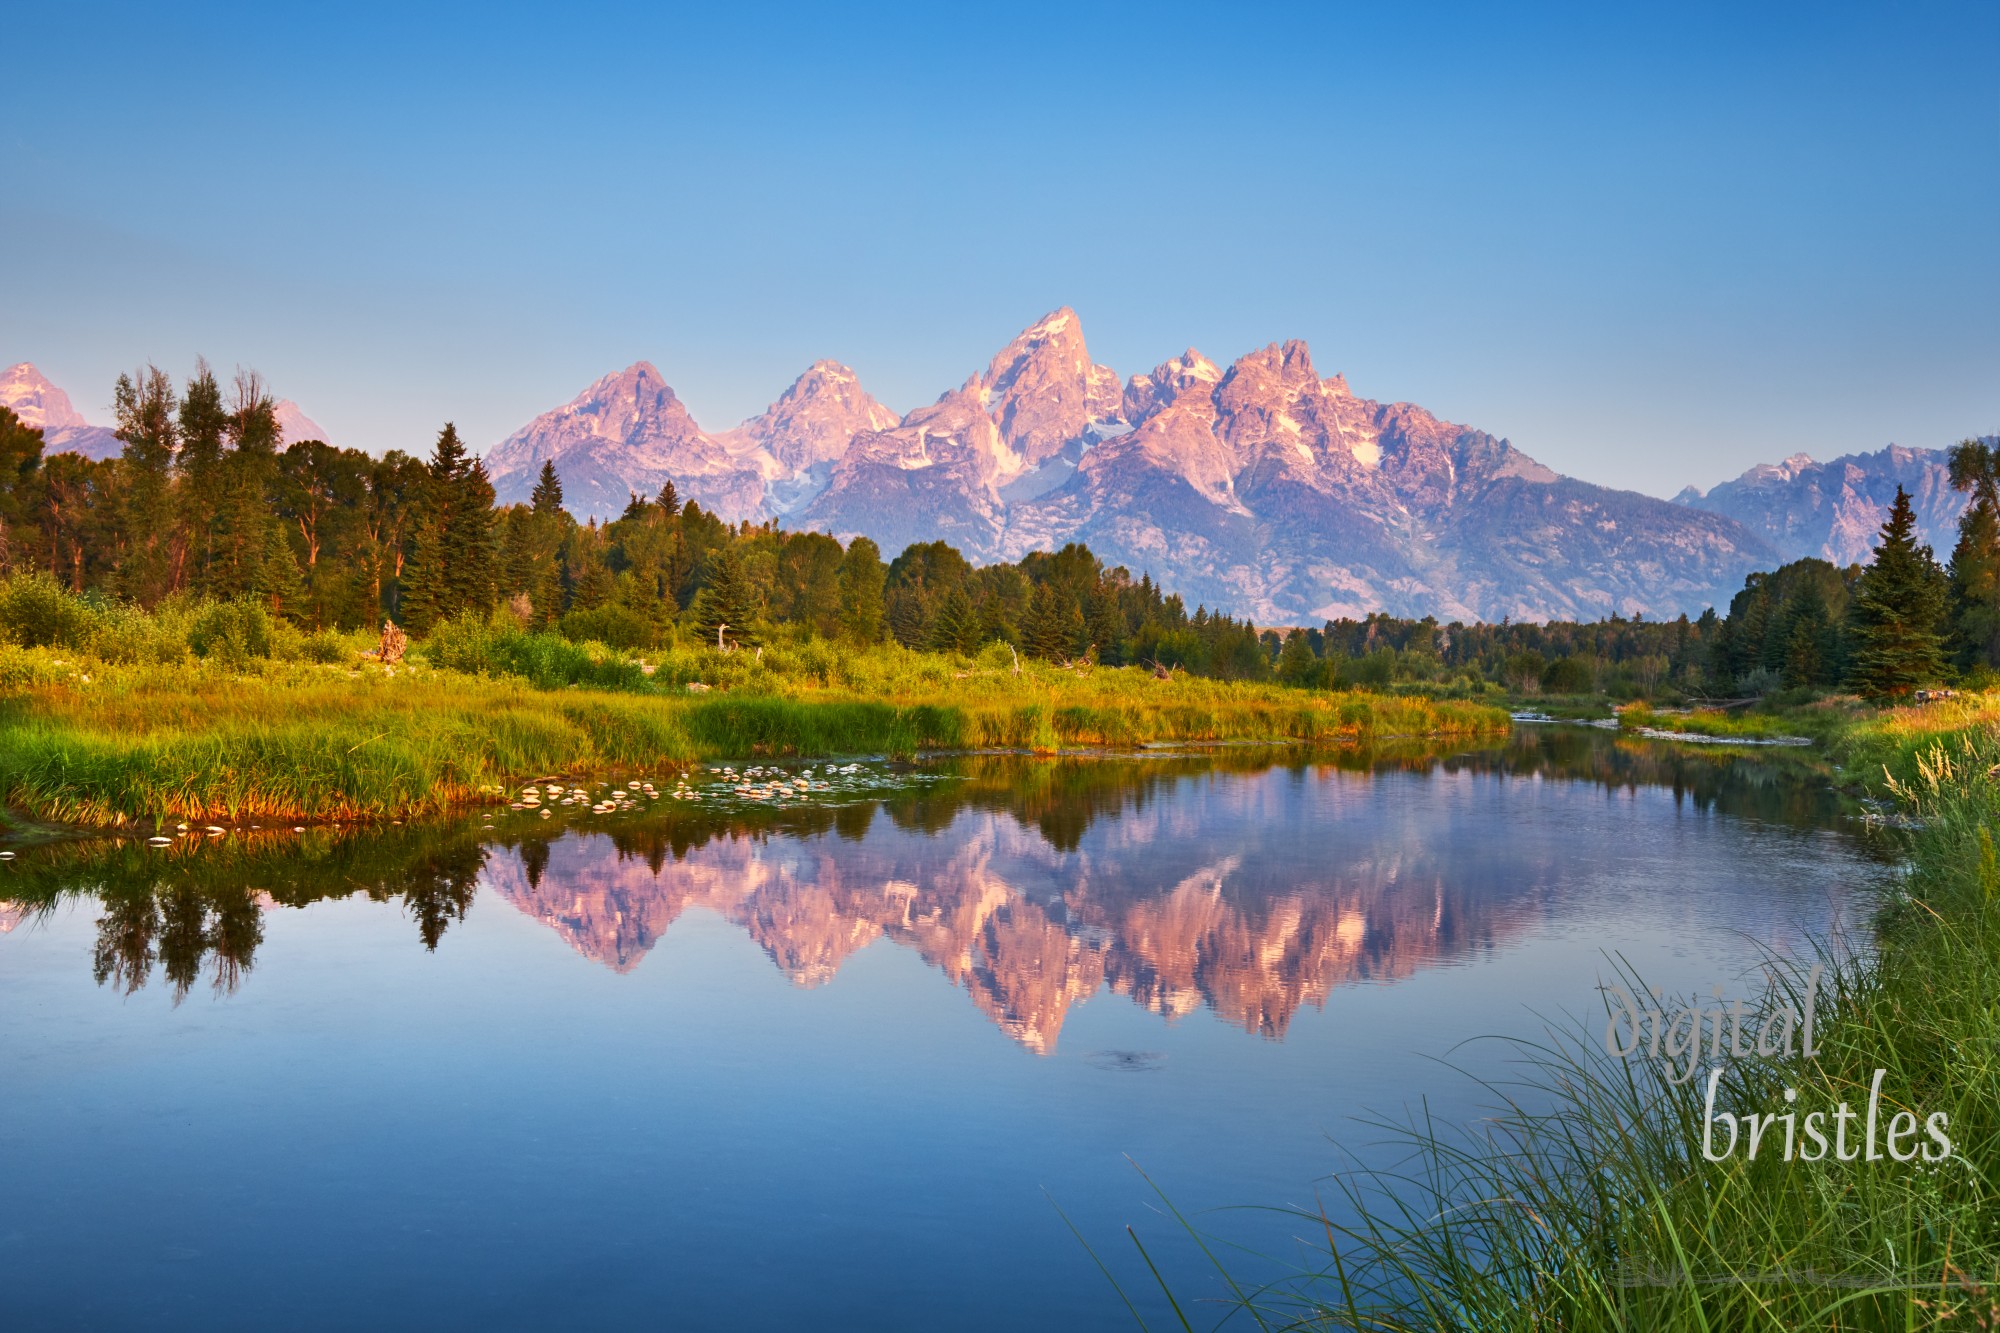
{"x": 996, "y": 656}
{"x": 19, "y": 668}
{"x": 1981, "y": 680}
{"x": 1568, "y": 675}
{"x": 465, "y": 643}
{"x": 120, "y": 633}
{"x": 233, "y": 633}
{"x": 37, "y": 612}
{"x": 611, "y": 624}
{"x": 1760, "y": 682}
{"x": 328, "y": 647}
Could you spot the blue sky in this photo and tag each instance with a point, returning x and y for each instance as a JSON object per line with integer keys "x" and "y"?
{"x": 1650, "y": 244}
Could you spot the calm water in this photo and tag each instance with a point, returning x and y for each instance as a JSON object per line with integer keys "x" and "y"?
{"x": 830, "y": 1067}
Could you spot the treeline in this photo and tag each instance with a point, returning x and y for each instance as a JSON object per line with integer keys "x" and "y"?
{"x": 206, "y": 502}
{"x": 1897, "y": 624}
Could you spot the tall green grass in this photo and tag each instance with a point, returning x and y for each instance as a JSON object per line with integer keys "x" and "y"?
{"x": 240, "y": 737}
{"x": 1703, "y": 722}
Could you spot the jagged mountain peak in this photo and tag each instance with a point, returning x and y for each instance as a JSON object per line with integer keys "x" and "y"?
{"x": 627, "y": 433}
{"x": 812, "y": 422}
{"x": 294, "y": 425}
{"x": 1044, "y": 391}
{"x": 38, "y": 403}
{"x": 1833, "y": 510}
{"x": 1188, "y": 373}
{"x": 42, "y": 406}
{"x": 1057, "y": 335}
{"x": 1258, "y": 486}
{"x": 1287, "y": 364}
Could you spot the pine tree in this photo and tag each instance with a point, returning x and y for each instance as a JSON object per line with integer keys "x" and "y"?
{"x": 861, "y": 576}
{"x": 453, "y": 561}
{"x": 278, "y": 581}
{"x": 955, "y": 627}
{"x": 589, "y": 577}
{"x": 204, "y": 423}
{"x": 1049, "y": 631}
{"x": 1296, "y": 663}
{"x": 145, "y": 408}
{"x": 1897, "y": 611}
{"x": 1805, "y": 656}
{"x": 1106, "y": 630}
{"x": 1975, "y": 561}
{"x": 422, "y": 604}
{"x": 1070, "y": 626}
{"x": 547, "y": 498}
{"x": 20, "y": 490}
{"x": 517, "y": 550}
{"x": 726, "y": 600}
{"x": 471, "y": 551}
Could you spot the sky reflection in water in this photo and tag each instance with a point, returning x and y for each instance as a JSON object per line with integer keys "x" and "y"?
{"x": 744, "y": 1069}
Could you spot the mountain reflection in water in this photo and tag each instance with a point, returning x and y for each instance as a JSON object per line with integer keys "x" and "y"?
{"x": 1229, "y": 882}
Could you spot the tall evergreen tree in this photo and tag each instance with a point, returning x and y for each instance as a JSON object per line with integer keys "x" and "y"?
{"x": 453, "y": 561}
{"x": 1897, "y": 613}
{"x": 471, "y": 550}
{"x": 1052, "y": 625}
{"x": 204, "y": 425}
{"x": 145, "y": 407}
{"x": 1975, "y": 561}
{"x": 589, "y": 574}
{"x": 547, "y": 499}
{"x": 955, "y": 627}
{"x": 248, "y": 485}
{"x": 20, "y": 491}
{"x": 726, "y": 600}
{"x": 422, "y": 604}
{"x": 278, "y": 581}
{"x": 862, "y": 575}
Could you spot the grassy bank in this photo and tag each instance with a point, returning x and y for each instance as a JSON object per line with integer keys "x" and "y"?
{"x": 1587, "y": 1202}
{"x": 102, "y": 742}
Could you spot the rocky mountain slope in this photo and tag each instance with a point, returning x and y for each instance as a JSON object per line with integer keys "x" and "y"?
{"x": 1259, "y": 488}
{"x": 42, "y": 405}
{"x": 294, "y": 425}
{"x": 628, "y": 434}
{"x": 1834, "y": 510}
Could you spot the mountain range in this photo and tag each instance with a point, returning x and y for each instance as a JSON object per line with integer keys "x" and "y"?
{"x": 1261, "y": 488}
{"x": 1833, "y": 510}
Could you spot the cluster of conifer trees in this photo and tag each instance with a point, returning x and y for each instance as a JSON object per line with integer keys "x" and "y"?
{"x": 204, "y": 500}
{"x": 1896, "y": 624}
